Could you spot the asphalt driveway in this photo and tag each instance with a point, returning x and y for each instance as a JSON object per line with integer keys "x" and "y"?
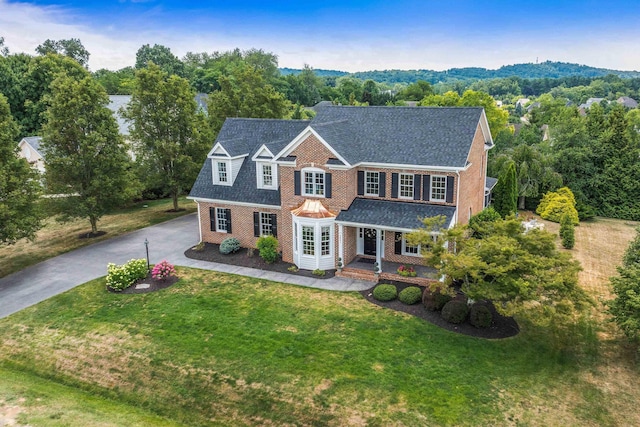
{"x": 167, "y": 240}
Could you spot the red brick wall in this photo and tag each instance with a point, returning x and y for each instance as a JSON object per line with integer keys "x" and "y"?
{"x": 473, "y": 180}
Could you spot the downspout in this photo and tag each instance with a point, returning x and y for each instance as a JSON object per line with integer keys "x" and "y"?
{"x": 457, "y": 196}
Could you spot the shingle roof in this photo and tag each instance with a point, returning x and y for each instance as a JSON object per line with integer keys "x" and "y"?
{"x": 245, "y": 136}
{"x": 386, "y": 213}
{"x": 430, "y": 136}
{"x": 34, "y": 142}
{"x": 490, "y": 182}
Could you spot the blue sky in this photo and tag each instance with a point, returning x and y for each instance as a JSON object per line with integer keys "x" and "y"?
{"x": 346, "y": 35}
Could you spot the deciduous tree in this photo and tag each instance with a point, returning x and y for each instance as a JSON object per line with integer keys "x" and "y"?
{"x": 85, "y": 156}
{"x": 170, "y": 136}
{"x": 19, "y": 186}
{"x": 625, "y": 307}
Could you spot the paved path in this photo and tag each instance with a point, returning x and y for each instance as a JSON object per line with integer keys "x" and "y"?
{"x": 167, "y": 241}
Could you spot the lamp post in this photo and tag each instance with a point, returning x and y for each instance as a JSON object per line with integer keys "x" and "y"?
{"x": 146, "y": 245}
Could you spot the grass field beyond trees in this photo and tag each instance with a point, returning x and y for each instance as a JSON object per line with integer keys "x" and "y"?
{"x": 56, "y": 238}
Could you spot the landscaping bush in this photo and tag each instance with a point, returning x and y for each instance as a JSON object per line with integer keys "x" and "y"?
{"x": 410, "y": 295}
{"x": 120, "y": 277}
{"x": 434, "y": 301}
{"x": 163, "y": 270}
{"x": 268, "y": 247}
{"x": 567, "y": 232}
{"x": 455, "y": 311}
{"x": 318, "y": 272}
{"x": 480, "y": 316}
{"x": 385, "y": 292}
{"x": 555, "y": 204}
{"x": 480, "y": 223}
{"x": 229, "y": 245}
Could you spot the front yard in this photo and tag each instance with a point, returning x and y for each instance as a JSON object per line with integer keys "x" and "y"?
{"x": 228, "y": 350}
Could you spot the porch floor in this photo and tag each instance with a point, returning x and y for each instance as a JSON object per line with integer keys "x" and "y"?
{"x": 424, "y": 276}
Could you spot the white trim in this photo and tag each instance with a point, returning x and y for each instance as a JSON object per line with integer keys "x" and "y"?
{"x": 365, "y": 183}
{"x": 459, "y": 182}
{"x": 413, "y": 186}
{"x": 217, "y": 148}
{"x": 408, "y": 166}
{"x": 315, "y": 172}
{"x": 227, "y": 202}
{"x": 259, "y": 153}
{"x": 308, "y": 131}
{"x": 199, "y": 222}
{"x": 226, "y": 220}
{"x": 444, "y": 196}
{"x": 317, "y": 260}
{"x": 381, "y": 227}
{"x": 215, "y": 162}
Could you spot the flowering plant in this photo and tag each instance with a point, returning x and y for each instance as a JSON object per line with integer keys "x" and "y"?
{"x": 162, "y": 270}
{"x": 405, "y": 271}
{"x": 120, "y": 277}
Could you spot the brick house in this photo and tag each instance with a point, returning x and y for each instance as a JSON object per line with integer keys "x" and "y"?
{"x": 347, "y": 184}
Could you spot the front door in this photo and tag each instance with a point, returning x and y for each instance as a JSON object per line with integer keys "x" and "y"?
{"x": 370, "y": 241}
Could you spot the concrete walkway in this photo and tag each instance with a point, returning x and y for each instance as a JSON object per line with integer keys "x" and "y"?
{"x": 167, "y": 240}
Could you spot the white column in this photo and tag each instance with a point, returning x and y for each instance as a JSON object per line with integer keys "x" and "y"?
{"x": 379, "y": 249}
{"x": 341, "y": 243}
{"x": 200, "y": 221}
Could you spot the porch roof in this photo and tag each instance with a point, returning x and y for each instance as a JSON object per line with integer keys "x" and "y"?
{"x": 392, "y": 215}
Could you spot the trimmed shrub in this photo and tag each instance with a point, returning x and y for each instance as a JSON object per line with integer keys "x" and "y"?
{"x": 120, "y": 277}
{"x": 410, "y": 295}
{"x": 318, "y": 272}
{"x": 229, "y": 245}
{"x": 268, "y": 247}
{"x": 455, "y": 311}
{"x": 555, "y": 204}
{"x": 434, "y": 301}
{"x": 385, "y": 292}
{"x": 567, "y": 232}
{"x": 480, "y": 316}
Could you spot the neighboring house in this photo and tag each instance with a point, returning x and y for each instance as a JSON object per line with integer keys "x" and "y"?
{"x": 30, "y": 150}
{"x": 590, "y": 102}
{"x": 627, "y": 102}
{"x": 346, "y": 185}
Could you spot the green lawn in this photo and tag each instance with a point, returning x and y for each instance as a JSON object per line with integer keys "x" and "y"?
{"x": 219, "y": 349}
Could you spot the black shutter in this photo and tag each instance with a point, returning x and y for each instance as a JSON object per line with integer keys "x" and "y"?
{"x": 360, "y": 183}
{"x": 256, "y": 224}
{"x": 327, "y": 185}
{"x": 274, "y": 224}
{"x": 417, "y": 179}
{"x": 296, "y": 183}
{"x": 227, "y": 213}
{"x": 212, "y": 218}
{"x": 398, "y": 243}
{"x": 394, "y": 185}
{"x": 426, "y": 188}
{"x": 383, "y": 184}
{"x": 449, "y": 189}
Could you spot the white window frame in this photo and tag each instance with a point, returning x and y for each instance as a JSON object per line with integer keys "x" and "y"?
{"x": 325, "y": 240}
{"x": 315, "y": 185}
{"x": 266, "y": 227}
{"x": 368, "y": 181}
{"x": 308, "y": 240}
{"x": 435, "y": 190}
{"x": 406, "y": 251}
{"x": 401, "y": 185}
{"x": 260, "y": 175}
{"x": 217, "y": 172}
{"x": 221, "y": 220}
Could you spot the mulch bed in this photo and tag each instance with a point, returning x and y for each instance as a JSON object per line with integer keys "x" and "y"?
{"x": 155, "y": 285}
{"x": 501, "y": 327}
{"x": 211, "y": 252}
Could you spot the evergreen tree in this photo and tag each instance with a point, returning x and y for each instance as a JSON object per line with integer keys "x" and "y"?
{"x": 19, "y": 187}
{"x": 86, "y": 157}
{"x": 567, "y": 232}
{"x": 505, "y": 193}
{"x": 625, "y": 307}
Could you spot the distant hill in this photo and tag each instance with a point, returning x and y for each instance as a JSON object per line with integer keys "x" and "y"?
{"x": 318, "y": 72}
{"x": 546, "y": 69}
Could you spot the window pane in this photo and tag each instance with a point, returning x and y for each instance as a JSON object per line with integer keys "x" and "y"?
{"x": 406, "y": 185}
{"x": 221, "y": 217}
{"x": 308, "y": 183}
{"x": 438, "y": 187}
{"x": 325, "y": 242}
{"x": 308, "y": 241}
{"x": 265, "y": 224}
{"x": 222, "y": 172}
{"x": 319, "y": 183}
{"x": 372, "y": 183}
{"x": 267, "y": 177}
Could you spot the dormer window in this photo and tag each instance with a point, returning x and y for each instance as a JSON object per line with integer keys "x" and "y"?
{"x": 267, "y": 175}
{"x": 221, "y": 172}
